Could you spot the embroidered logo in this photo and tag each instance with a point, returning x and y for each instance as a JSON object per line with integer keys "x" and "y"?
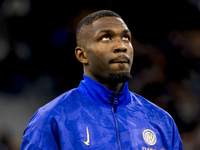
{"x": 149, "y": 137}
{"x": 88, "y": 137}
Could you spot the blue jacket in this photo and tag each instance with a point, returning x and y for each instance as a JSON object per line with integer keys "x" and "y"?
{"x": 92, "y": 117}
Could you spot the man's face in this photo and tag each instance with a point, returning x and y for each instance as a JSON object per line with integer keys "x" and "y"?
{"x": 108, "y": 48}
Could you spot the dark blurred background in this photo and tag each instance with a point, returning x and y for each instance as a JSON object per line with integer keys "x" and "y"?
{"x": 37, "y": 61}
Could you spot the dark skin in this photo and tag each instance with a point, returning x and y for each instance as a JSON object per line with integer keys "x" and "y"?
{"x": 105, "y": 48}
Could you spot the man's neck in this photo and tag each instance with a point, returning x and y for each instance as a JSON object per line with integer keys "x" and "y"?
{"x": 113, "y": 87}
{"x": 109, "y": 85}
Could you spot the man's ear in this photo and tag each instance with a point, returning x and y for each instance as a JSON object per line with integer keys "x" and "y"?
{"x": 81, "y": 55}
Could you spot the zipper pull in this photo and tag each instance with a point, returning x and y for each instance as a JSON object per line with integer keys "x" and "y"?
{"x": 115, "y": 101}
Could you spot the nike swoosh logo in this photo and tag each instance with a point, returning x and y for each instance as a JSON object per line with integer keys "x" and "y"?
{"x": 88, "y": 137}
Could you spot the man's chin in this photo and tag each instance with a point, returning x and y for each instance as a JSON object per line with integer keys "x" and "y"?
{"x": 119, "y": 77}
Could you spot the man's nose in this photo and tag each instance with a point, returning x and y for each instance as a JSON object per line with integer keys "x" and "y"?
{"x": 120, "y": 47}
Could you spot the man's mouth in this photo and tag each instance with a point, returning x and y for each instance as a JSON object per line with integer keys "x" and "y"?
{"x": 120, "y": 59}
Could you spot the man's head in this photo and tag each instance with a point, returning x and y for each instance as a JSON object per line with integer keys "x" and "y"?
{"x": 104, "y": 47}
{"x": 88, "y": 20}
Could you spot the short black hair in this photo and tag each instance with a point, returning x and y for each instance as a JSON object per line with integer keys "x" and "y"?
{"x": 88, "y": 20}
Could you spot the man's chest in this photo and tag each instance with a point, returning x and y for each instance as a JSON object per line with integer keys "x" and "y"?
{"x": 97, "y": 129}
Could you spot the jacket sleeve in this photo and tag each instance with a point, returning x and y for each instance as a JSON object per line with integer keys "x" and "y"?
{"x": 27, "y": 145}
{"x": 40, "y": 134}
{"x": 177, "y": 142}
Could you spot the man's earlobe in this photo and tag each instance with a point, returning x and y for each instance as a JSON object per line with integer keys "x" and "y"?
{"x": 81, "y": 55}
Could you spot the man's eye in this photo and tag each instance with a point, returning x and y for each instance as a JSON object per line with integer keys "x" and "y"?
{"x": 105, "y": 38}
{"x": 125, "y": 38}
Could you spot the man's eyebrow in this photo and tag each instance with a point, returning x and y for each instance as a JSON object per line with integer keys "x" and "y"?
{"x": 125, "y": 31}
{"x": 105, "y": 31}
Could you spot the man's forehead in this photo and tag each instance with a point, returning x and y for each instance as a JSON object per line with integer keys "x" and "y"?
{"x": 109, "y": 23}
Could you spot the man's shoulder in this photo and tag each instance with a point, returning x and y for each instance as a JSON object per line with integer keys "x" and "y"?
{"x": 43, "y": 122}
{"x": 59, "y": 102}
{"x": 55, "y": 109}
{"x": 153, "y": 110}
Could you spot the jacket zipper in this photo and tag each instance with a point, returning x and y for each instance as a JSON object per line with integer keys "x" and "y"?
{"x": 114, "y": 110}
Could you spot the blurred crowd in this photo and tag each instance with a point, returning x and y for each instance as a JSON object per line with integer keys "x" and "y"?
{"x": 37, "y": 61}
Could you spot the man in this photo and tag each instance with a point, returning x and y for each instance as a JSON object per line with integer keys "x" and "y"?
{"x": 102, "y": 113}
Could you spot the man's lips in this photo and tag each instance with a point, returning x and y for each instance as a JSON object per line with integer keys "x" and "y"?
{"x": 120, "y": 59}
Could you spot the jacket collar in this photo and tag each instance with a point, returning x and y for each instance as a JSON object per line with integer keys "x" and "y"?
{"x": 100, "y": 95}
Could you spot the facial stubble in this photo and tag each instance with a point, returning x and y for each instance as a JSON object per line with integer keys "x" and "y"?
{"x": 119, "y": 77}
